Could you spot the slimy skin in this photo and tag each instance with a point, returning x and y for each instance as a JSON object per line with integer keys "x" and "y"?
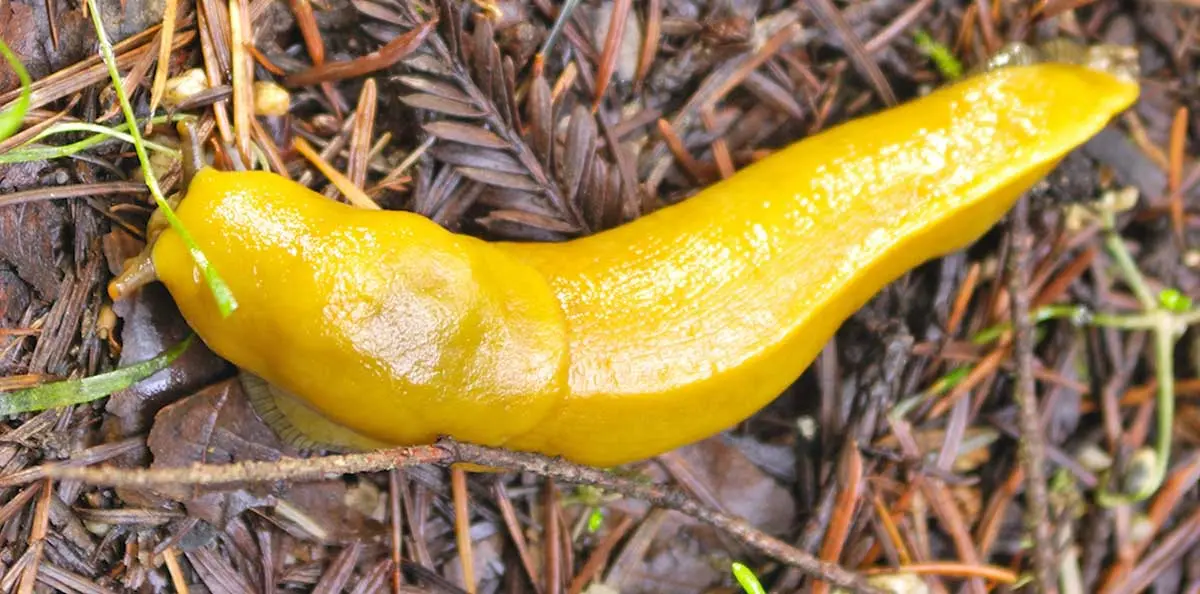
{"x": 387, "y": 329}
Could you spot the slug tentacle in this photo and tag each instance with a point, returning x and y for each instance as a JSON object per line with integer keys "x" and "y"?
{"x": 136, "y": 272}
{"x": 193, "y": 157}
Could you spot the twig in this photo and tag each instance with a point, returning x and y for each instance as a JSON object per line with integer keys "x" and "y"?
{"x": 163, "y": 66}
{"x": 462, "y": 527}
{"x": 72, "y": 191}
{"x": 831, "y": 19}
{"x": 608, "y": 59}
{"x": 448, "y": 452}
{"x": 1032, "y": 448}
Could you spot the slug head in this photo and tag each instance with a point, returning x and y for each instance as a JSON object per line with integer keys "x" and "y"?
{"x": 380, "y": 322}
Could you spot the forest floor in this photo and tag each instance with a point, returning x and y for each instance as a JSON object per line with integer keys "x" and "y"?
{"x": 933, "y": 446}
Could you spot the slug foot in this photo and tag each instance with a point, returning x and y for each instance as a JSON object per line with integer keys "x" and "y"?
{"x": 298, "y": 425}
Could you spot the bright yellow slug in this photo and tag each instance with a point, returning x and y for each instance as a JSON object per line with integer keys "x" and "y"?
{"x": 382, "y": 328}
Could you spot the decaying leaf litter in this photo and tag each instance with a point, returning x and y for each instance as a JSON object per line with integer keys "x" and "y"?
{"x": 903, "y": 446}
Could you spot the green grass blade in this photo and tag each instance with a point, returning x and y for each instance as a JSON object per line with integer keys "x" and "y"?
{"x": 78, "y": 391}
{"x": 226, "y": 303}
{"x": 26, "y": 153}
{"x": 10, "y": 120}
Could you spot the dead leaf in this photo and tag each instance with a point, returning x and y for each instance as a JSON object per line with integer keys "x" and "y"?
{"x": 686, "y": 556}
{"x": 151, "y": 324}
{"x": 973, "y": 452}
{"x": 336, "y": 511}
{"x": 434, "y": 87}
{"x": 469, "y": 156}
{"x": 14, "y": 297}
{"x": 488, "y": 562}
{"x": 442, "y": 105}
{"x": 466, "y": 134}
{"x": 215, "y": 426}
{"x": 26, "y": 27}
{"x": 512, "y": 181}
{"x": 518, "y": 218}
{"x": 739, "y": 486}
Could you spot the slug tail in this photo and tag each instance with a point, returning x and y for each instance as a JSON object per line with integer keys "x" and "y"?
{"x": 687, "y": 321}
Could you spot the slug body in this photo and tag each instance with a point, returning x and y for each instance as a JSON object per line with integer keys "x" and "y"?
{"x": 386, "y": 329}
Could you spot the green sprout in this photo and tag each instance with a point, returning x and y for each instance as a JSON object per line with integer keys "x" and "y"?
{"x": 595, "y": 519}
{"x": 942, "y": 57}
{"x": 1174, "y": 300}
{"x": 745, "y": 576}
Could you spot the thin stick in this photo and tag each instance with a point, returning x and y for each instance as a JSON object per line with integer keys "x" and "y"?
{"x": 448, "y": 452}
{"x": 353, "y": 193}
{"x": 608, "y": 59}
{"x": 242, "y": 77}
{"x": 163, "y": 67}
{"x": 462, "y": 526}
{"x": 1032, "y": 450}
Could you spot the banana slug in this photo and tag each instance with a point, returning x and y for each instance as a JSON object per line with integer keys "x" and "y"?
{"x": 377, "y": 328}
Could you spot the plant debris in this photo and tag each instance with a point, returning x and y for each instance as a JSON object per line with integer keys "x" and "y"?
{"x": 933, "y": 444}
